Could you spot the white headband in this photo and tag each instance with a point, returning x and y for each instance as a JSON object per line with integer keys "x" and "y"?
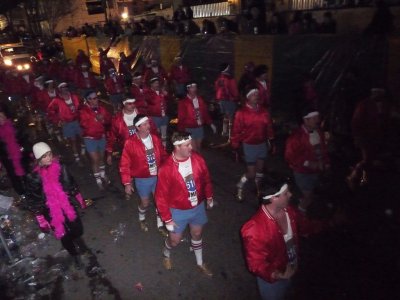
{"x": 137, "y": 77}
{"x": 311, "y": 114}
{"x": 283, "y": 188}
{"x": 191, "y": 85}
{"x": 251, "y": 92}
{"x": 141, "y": 121}
{"x": 189, "y": 138}
{"x": 130, "y": 100}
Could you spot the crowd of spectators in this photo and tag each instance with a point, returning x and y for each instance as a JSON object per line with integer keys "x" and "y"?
{"x": 251, "y": 21}
{"x": 182, "y": 24}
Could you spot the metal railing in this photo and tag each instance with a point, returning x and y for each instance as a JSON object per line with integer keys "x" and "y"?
{"x": 212, "y": 10}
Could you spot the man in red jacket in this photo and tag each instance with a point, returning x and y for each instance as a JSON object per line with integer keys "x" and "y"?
{"x": 123, "y": 127}
{"x": 85, "y": 80}
{"x": 141, "y": 159}
{"x": 252, "y": 127}
{"x": 137, "y": 92}
{"x": 264, "y": 89}
{"x": 95, "y": 121}
{"x": 156, "y": 99}
{"x": 115, "y": 88}
{"x": 227, "y": 95}
{"x": 125, "y": 65}
{"x": 193, "y": 115}
{"x": 370, "y": 127}
{"x": 63, "y": 112}
{"x": 271, "y": 241}
{"x": 105, "y": 64}
{"x": 82, "y": 58}
{"x": 183, "y": 188}
{"x": 306, "y": 154}
{"x": 69, "y": 72}
{"x": 179, "y": 76}
{"x": 154, "y": 70}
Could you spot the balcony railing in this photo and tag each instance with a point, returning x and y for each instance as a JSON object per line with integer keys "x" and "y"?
{"x": 306, "y": 4}
{"x": 212, "y": 10}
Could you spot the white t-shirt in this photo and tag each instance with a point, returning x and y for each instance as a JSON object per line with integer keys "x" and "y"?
{"x": 315, "y": 139}
{"x": 128, "y": 119}
{"x": 150, "y": 155}
{"x": 186, "y": 171}
{"x": 196, "y": 105}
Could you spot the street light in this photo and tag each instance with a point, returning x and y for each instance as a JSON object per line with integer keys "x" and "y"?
{"x": 124, "y": 16}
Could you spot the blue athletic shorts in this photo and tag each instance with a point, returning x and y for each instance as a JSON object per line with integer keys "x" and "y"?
{"x": 196, "y": 133}
{"x": 194, "y": 216}
{"x": 146, "y": 186}
{"x": 228, "y": 107}
{"x": 71, "y": 129}
{"x": 160, "y": 121}
{"x": 306, "y": 182}
{"x": 252, "y": 153}
{"x": 180, "y": 90}
{"x": 93, "y": 145}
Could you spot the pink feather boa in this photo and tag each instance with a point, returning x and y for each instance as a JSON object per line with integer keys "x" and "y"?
{"x": 56, "y": 199}
{"x": 7, "y": 134}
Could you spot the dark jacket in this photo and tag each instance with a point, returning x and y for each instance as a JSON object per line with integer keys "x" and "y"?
{"x": 35, "y": 197}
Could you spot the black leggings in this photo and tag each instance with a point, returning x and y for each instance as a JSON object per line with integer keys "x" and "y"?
{"x": 73, "y": 230}
{"x": 16, "y": 181}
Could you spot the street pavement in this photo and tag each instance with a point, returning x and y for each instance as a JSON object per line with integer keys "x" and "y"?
{"x": 357, "y": 260}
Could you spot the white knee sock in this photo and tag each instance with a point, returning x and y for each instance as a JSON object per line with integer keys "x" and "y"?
{"x": 242, "y": 181}
{"x": 197, "y": 247}
{"x": 142, "y": 213}
{"x": 167, "y": 249}
{"x": 160, "y": 223}
{"x": 102, "y": 171}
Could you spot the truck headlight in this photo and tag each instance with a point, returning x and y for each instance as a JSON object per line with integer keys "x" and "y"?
{"x": 19, "y": 67}
{"x": 8, "y": 62}
{"x": 27, "y": 66}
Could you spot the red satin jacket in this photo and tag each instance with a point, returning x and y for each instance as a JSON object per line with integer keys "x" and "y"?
{"x": 69, "y": 73}
{"x": 114, "y": 87}
{"x": 264, "y": 246}
{"x": 85, "y": 83}
{"x": 251, "y": 126}
{"x": 134, "y": 163}
{"x": 187, "y": 114}
{"x": 58, "y": 110}
{"x": 226, "y": 88}
{"x": 40, "y": 99}
{"x": 119, "y": 132}
{"x": 264, "y": 94}
{"x": 91, "y": 126}
{"x": 180, "y": 75}
{"x": 138, "y": 94}
{"x": 155, "y": 103}
{"x": 299, "y": 150}
{"x": 171, "y": 191}
{"x": 149, "y": 74}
